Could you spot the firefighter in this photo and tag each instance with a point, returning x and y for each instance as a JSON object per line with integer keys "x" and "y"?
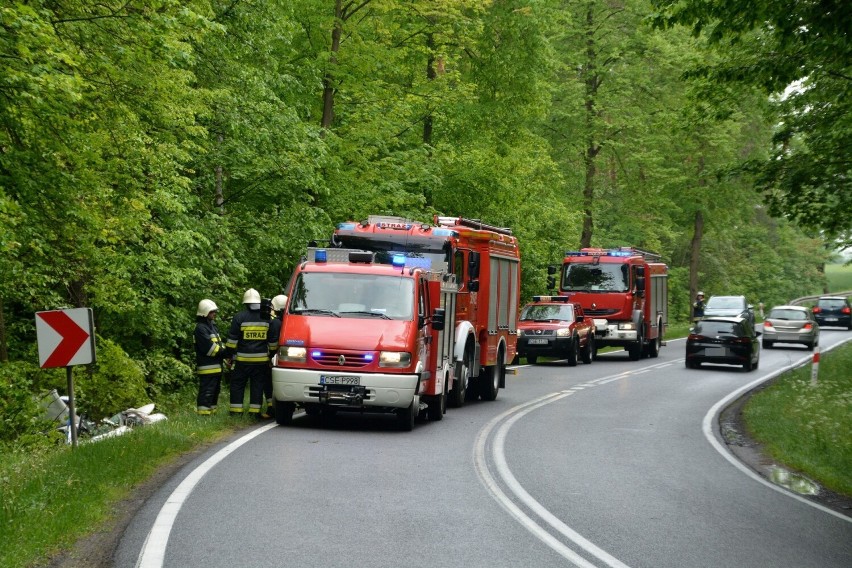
{"x": 277, "y": 308}
{"x": 247, "y": 345}
{"x": 698, "y": 307}
{"x": 209, "y": 354}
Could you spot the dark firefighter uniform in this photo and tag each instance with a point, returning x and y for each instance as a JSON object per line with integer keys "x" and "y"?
{"x": 248, "y": 346}
{"x": 209, "y": 353}
{"x": 274, "y": 332}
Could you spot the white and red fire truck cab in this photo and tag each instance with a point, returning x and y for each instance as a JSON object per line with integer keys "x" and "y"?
{"x": 366, "y": 336}
{"x": 625, "y": 291}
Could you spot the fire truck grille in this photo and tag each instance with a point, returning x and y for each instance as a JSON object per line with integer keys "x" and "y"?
{"x": 349, "y": 359}
{"x": 604, "y": 312}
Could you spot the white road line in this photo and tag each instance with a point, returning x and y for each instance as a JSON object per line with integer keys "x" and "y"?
{"x": 711, "y": 418}
{"x": 153, "y": 552}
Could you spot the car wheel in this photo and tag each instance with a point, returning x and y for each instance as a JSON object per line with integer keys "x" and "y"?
{"x": 766, "y": 344}
{"x": 531, "y": 359}
{"x": 747, "y": 366}
{"x": 574, "y": 352}
{"x": 810, "y": 346}
{"x": 588, "y": 352}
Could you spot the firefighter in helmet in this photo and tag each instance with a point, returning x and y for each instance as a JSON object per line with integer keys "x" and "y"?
{"x": 247, "y": 345}
{"x": 698, "y": 307}
{"x": 277, "y": 305}
{"x": 209, "y": 354}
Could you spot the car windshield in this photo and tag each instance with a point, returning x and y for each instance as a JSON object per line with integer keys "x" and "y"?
{"x": 547, "y": 312}
{"x": 718, "y": 328}
{"x": 725, "y": 302}
{"x": 595, "y": 277}
{"x": 794, "y": 315}
{"x": 353, "y": 295}
{"x": 838, "y": 303}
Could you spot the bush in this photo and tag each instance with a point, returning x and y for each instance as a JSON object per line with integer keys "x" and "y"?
{"x": 22, "y": 419}
{"x": 115, "y": 382}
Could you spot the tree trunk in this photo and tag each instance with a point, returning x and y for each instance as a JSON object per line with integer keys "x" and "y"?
{"x": 592, "y": 82}
{"x": 695, "y": 256}
{"x": 219, "y": 198}
{"x": 328, "y": 82}
{"x": 4, "y": 352}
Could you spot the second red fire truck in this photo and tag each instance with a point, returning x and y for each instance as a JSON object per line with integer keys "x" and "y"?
{"x": 625, "y": 291}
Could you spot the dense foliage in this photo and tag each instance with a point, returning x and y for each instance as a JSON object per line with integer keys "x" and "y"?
{"x": 153, "y": 153}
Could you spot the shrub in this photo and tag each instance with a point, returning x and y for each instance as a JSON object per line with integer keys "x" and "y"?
{"x": 115, "y": 382}
{"x": 22, "y": 420}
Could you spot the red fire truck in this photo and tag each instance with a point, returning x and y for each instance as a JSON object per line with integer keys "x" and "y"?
{"x": 365, "y": 336}
{"x": 625, "y": 291}
{"x": 485, "y": 262}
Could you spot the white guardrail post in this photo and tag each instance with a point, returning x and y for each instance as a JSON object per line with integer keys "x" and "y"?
{"x": 815, "y": 367}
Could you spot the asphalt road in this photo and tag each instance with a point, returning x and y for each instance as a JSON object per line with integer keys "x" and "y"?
{"x": 613, "y": 464}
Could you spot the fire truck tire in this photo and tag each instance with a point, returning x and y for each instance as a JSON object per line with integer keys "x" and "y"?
{"x": 574, "y": 352}
{"x": 653, "y": 346}
{"x": 492, "y": 377}
{"x": 313, "y": 409}
{"x": 460, "y": 390}
{"x": 284, "y": 412}
{"x": 437, "y": 406}
{"x": 405, "y": 418}
{"x": 588, "y": 352}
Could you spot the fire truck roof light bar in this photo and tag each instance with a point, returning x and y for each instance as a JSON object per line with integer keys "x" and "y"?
{"x": 559, "y": 299}
{"x": 621, "y": 252}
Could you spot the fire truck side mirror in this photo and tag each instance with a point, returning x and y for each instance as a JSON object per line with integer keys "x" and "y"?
{"x": 640, "y": 271}
{"x": 551, "y": 282}
{"x": 551, "y": 269}
{"x": 640, "y": 286}
{"x": 473, "y": 285}
{"x": 473, "y": 265}
{"x": 438, "y": 319}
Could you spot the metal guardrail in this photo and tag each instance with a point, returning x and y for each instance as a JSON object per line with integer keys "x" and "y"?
{"x": 803, "y": 299}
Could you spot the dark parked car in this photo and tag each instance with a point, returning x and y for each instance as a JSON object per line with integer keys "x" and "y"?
{"x": 833, "y": 311}
{"x": 729, "y": 306}
{"x": 551, "y": 326}
{"x": 726, "y": 340}
{"x": 790, "y": 324}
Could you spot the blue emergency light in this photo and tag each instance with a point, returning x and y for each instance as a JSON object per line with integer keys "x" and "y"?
{"x": 398, "y": 260}
{"x": 346, "y": 226}
{"x": 444, "y": 233}
{"x": 321, "y": 255}
{"x": 316, "y": 354}
{"x": 368, "y": 357}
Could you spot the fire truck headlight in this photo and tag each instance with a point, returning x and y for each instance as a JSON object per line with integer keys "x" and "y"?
{"x": 394, "y": 359}
{"x": 292, "y": 354}
{"x": 521, "y": 333}
{"x": 627, "y": 326}
{"x": 563, "y": 332}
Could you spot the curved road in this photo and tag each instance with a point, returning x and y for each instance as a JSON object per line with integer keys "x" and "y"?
{"x": 613, "y": 464}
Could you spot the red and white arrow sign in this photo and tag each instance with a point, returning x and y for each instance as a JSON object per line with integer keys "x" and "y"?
{"x": 65, "y": 337}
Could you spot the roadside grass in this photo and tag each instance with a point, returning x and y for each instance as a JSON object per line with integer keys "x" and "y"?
{"x": 809, "y": 428}
{"x": 839, "y": 277}
{"x": 53, "y": 497}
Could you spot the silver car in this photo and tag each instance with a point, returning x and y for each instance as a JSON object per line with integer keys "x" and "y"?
{"x": 790, "y": 324}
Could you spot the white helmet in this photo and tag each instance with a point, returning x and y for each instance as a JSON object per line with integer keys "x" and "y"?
{"x": 700, "y": 293}
{"x": 205, "y": 307}
{"x": 251, "y": 297}
{"x": 278, "y": 302}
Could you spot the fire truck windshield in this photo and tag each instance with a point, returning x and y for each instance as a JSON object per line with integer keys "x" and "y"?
{"x": 353, "y": 296}
{"x": 602, "y": 277}
{"x": 428, "y": 253}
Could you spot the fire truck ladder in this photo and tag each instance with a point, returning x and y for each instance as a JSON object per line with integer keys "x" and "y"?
{"x": 472, "y": 224}
{"x": 649, "y": 256}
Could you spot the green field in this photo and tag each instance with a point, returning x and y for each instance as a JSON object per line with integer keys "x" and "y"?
{"x": 839, "y": 277}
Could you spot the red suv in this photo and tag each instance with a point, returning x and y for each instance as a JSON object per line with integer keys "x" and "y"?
{"x": 552, "y": 326}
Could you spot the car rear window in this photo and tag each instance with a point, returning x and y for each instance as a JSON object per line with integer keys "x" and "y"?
{"x": 718, "y": 328}
{"x": 838, "y": 303}
{"x": 794, "y": 315}
{"x": 722, "y": 302}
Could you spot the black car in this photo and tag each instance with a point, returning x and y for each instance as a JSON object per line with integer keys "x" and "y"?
{"x": 729, "y": 306}
{"x": 726, "y": 340}
{"x": 833, "y": 311}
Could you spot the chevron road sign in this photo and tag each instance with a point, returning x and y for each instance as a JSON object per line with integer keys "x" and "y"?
{"x": 65, "y": 337}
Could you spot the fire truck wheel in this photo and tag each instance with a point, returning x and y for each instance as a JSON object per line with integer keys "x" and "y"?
{"x": 405, "y": 418}
{"x": 313, "y": 409}
{"x": 460, "y": 389}
{"x": 589, "y": 351}
{"x": 437, "y": 406}
{"x": 284, "y": 412}
{"x": 492, "y": 377}
{"x": 573, "y": 352}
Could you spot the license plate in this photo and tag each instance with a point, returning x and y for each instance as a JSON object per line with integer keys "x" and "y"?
{"x": 339, "y": 380}
{"x": 538, "y": 341}
{"x": 714, "y": 352}
{"x": 830, "y": 319}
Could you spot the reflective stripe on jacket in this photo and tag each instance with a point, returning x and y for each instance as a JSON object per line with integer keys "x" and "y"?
{"x": 247, "y": 337}
{"x": 209, "y": 349}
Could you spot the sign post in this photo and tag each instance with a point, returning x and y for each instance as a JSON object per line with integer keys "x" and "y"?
{"x": 66, "y": 338}
{"x": 815, "y": 367}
